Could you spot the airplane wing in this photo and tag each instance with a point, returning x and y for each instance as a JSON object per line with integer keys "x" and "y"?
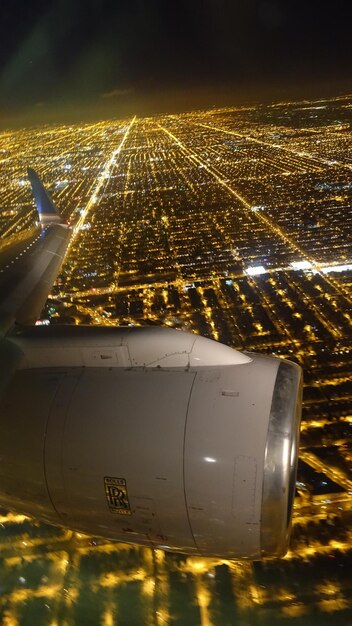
{"x": 29, "y": 267}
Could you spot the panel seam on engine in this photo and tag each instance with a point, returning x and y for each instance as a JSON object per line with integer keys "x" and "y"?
{"x": 184, "y": 450}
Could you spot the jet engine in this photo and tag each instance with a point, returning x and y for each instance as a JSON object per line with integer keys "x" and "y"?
{"x": 151, "y": 436}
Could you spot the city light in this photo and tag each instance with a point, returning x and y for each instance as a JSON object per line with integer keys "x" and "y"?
{"x": 232, "y": 223}
{"x": 256, "y": 270}
{"x": 337, "y": 268}
{"x": 301, "y": 265}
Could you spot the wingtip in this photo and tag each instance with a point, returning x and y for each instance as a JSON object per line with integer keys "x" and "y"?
{"x": 47, "y": 211}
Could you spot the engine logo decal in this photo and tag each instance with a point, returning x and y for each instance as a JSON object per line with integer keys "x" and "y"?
{"x": 116, "y": 495}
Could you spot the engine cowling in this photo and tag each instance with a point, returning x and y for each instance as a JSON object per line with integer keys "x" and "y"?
{"x": 152, "y": 436}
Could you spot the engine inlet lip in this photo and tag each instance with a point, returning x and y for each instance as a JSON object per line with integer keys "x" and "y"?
{"x": 281, "y": 457}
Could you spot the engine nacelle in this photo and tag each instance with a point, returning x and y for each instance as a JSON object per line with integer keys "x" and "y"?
{"x": 152, "y": 436}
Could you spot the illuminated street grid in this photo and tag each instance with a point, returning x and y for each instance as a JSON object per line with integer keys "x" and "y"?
{"x": 236, "y": 224}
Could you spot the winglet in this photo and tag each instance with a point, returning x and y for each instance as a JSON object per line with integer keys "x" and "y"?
{"x": 48, "y": 213}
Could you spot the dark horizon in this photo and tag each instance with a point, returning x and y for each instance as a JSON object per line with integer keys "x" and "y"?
{"x": 66, "y": 61}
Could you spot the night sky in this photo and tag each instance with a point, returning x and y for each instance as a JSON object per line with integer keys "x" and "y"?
{"x": 96, "y": 56}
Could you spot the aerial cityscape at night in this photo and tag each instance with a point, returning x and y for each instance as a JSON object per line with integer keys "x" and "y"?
{"x": 233, "y": 223}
